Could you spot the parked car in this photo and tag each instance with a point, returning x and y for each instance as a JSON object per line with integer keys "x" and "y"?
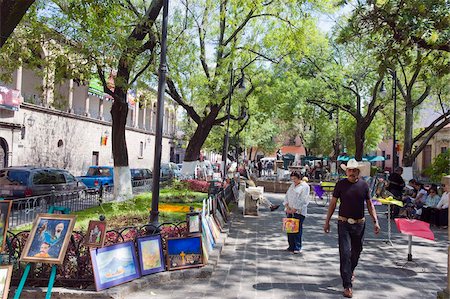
{"x": 25, "y": 181}
{"x": 98, "y": 176}
{"x": 169, "y": 171}
{"x": 138, "y": 174}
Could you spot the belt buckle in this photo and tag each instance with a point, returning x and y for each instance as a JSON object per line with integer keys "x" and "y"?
{"x": 351, "y": 221}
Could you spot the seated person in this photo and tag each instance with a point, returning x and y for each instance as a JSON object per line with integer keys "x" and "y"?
{"x": 442, "y": 207}
{"x": 396, "y": 183}
{"x": 429, "y": 210}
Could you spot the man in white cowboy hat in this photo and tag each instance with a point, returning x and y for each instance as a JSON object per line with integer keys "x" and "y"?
{"x": 352, "y": 192}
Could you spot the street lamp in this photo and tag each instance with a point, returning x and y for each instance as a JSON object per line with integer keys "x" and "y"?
{"x": 154, "y": 214}
{"x": 393, "y": 73}
{"x": 241, "y": 87}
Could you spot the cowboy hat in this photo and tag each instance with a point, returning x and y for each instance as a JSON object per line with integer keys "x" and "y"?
{"x": 352, "y": 164}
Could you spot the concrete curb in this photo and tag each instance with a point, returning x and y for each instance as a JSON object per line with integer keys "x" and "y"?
{"x": 123, "y": 291}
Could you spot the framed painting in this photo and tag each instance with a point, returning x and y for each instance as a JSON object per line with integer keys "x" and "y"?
{"x": 207, "y": 232}
{"x": 184, "y": 252}
{"x": 114, "y": 265}
{"x": 5, "y": 209}
{"x": 5, "y": 280}
{"x": 48, "y": 239}
{"x": 95, "y": 235}
{"x": 151, "y": 255}
{"x": 194, "y": 223}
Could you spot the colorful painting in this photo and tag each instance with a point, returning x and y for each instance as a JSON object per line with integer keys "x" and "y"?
{"x": 5, "y": 280}
{"x": 5, "y": 209}
{"x": 151, "y": 256}
{"x": 114, "y": 265}
{"x": 95, "y": 235}
{"x": 206, "y": 232}
{"x": 193, "y": 223}
{"x": 48, "y": 239}
{"x": 184, "y": 253}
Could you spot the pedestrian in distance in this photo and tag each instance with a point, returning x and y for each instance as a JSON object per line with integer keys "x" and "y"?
{"x": 353, "y": 192}
{"x": 296, "y": 206}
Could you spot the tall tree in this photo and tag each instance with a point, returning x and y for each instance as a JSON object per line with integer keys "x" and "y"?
{"x": 216, "y": 44}
{"x": 115, "y": 38}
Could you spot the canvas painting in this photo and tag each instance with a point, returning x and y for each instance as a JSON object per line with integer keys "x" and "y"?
{"x": 151, "y": 256}
{"x": 48, "y": 239}
{"x": 114, "y": 265}
{"x": 184, "y": 253}
{"x": 5, "y": 280}
{"x": 5, "y": 209}
{"x": 207, "y": 232}
{"x": 193, "y": 223}
{"x": 95, "y": 235}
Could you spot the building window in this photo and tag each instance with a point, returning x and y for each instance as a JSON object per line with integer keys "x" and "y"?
{"x": 95, "y": 156}
{"x": 443, "y": 149}
{"x": 141, "y": 149}
{"x": 388, "y": 157}
{"x": 60, "y": 143}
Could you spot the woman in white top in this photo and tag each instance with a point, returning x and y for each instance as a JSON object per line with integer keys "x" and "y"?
{"x": 296, "y": 205}
{"x": 442, "y": 206}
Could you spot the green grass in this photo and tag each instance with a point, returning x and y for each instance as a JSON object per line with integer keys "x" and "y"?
{"x": 137, "y": 210}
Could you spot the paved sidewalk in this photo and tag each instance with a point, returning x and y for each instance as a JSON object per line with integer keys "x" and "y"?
{"x": 253, "y": 263}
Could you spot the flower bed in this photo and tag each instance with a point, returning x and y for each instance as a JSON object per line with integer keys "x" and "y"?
{"x": 197, "y": 185}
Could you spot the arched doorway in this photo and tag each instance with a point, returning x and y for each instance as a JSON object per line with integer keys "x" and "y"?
{"x": 3, "y": 153}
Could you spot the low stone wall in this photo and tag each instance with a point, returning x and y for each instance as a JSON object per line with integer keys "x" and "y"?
{"x": 273, "y": 186}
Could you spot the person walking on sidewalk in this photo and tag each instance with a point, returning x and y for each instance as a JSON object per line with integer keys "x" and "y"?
{"x": 296, "y": 204}
{"x": 352, "y": 192}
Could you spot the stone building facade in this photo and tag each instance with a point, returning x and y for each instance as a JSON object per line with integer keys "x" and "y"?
{"x": 68, "y": 125}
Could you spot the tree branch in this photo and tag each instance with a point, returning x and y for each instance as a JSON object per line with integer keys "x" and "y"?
{"x": 444, "y": 117}
{"x": 172, "y": 91}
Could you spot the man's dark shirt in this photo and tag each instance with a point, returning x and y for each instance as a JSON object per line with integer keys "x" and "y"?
{"x": 352, "y": 196}
{"x": 397, "y": 185}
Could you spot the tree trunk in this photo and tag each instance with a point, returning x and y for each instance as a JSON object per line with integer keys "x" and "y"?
{"x": 122, "y": 175}
{"x": 196, "y": 142}
{"x": 359, "y": 140}
{"x": 11, "y": 13}
{"x": 407, "y": 147}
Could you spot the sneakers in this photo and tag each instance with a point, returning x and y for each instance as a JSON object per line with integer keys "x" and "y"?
{"x": 274, "y": 207}
{"x": 348, "y": 293}
{"x": 297, "y": 251}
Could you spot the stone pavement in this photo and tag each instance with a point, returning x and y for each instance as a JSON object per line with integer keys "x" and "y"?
{"x": 253, "y": 263}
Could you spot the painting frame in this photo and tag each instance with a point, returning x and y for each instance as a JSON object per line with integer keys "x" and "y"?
{"x": 5, "y": 209}
{"x": 173, "y": 245}
{"x": 42, "y": 226}
{"x": 194, "y": 223}
{"x": 5, "y": 290}
{"x": 91, "y": 231}
{"x": 121, "y": 249}
{"x": 140, "y": 244}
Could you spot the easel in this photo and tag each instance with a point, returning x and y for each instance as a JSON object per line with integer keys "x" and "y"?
{"x": 52, "y": 278}
{"x": 388, "y": 202}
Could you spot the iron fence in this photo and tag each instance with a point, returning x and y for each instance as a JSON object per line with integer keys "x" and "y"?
{"x": 76, "y": 270}
{"x": 24, "y": 210}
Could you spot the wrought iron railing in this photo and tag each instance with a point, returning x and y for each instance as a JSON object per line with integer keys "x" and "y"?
{"x": 76, "y": 270}
{"x": 24, "y": 210}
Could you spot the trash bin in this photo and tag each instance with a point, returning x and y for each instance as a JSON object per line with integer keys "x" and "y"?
{"x": 288, "y": 159}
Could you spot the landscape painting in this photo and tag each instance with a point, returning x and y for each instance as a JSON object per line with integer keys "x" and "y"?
{"x": 5, "y": 280}
{"x": 184, "y": 253}
{"x": 114, "y": 265}
{"x": 151, "y": 256}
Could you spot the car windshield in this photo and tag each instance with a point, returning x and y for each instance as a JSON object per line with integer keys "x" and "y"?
{"x": 14, "y": 177}
{"x": 46, "y": 177}
{"x": 99, "y": 171}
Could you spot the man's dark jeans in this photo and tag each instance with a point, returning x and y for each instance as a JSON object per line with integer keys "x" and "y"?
{"x": 295, "y": 240}
{"x": 350, "y": 247}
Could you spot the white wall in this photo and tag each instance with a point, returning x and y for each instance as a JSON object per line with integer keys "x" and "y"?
{"x": 80, "y": 136}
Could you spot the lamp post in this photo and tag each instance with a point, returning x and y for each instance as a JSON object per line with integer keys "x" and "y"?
{"x": 226, "y": 139}
{"x": 154, "y": 214}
